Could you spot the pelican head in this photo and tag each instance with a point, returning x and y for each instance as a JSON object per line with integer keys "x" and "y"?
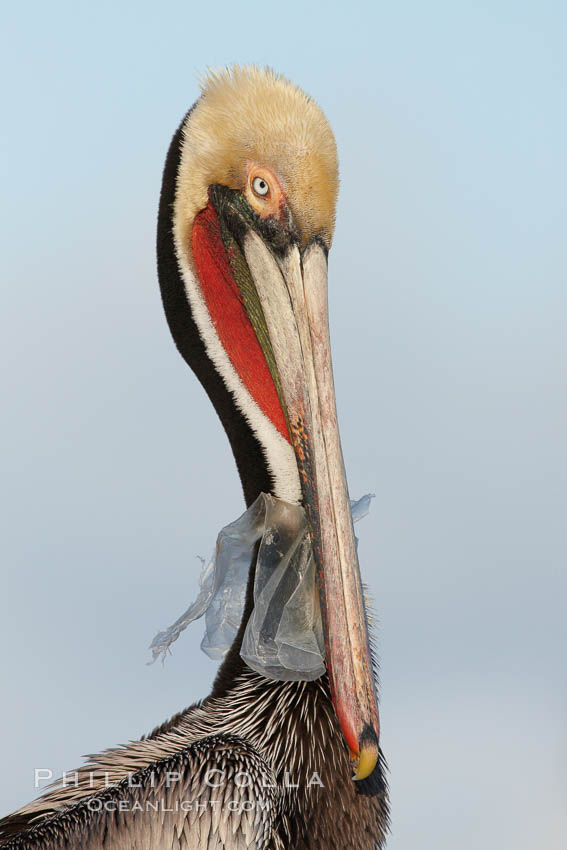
{"x": 247, "y": 230}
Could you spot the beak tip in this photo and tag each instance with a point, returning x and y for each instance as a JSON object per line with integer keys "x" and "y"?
{"x": 368, "y": 754}
{"x": 366, "y": 764}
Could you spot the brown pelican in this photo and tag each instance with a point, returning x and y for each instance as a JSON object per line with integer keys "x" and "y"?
{"x": 246, "y": 220}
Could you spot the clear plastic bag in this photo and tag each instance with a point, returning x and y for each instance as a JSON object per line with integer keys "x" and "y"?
{"x": 284, "y": 636}
{"x": 283, "y": 639}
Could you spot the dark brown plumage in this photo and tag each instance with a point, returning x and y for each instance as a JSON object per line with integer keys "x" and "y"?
{"x": 281, "y": 734}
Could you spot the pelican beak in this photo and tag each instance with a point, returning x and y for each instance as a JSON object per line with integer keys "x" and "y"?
{"x": 288, "y": 308}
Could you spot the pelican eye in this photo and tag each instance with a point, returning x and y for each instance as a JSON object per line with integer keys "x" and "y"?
{"x": 260, "y": 187}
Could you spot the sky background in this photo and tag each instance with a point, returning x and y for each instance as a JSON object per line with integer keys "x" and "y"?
{"x": 449, "y": 326}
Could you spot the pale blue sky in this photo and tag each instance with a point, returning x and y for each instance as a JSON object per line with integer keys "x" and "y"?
{"x": 448, "y": 313}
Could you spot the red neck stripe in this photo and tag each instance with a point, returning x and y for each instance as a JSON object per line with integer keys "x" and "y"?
{"x": 229, "y": 316}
